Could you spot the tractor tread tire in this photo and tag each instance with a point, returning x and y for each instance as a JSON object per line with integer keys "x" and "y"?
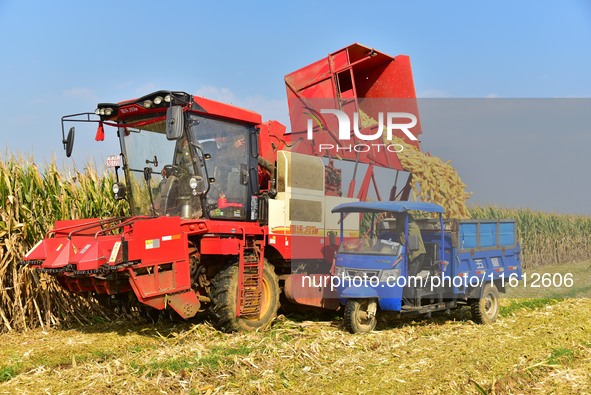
{"x": 224, "y": 295}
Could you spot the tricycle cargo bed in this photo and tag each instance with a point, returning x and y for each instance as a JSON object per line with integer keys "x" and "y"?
{"x": 476, "y": 248}
{"x": 475, "y": 234}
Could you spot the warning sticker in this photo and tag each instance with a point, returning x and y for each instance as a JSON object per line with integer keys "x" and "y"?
{"x": 153, "y": 243}
{"x": 172, "y": 237}
{"x": 115, "y": 251}
{"x": 86, "y": 247}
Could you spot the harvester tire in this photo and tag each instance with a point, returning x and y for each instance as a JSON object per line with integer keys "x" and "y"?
{"x": 485, "y": 310}
{"x": 357, "y": 319}
{"x": 224, "y": 300}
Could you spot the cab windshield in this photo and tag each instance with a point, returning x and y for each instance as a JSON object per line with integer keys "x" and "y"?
{"x": 160, "y": 172}
{"x": 382, "y": 237}
{"x": 374, "y": 246}
{"x": 203, "y": 174}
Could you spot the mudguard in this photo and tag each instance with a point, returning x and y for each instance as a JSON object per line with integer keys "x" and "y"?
{"x": 358, "y": 293}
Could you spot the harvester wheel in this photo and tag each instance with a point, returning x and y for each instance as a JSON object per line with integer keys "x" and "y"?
{"x": 486, "y": 309}
{"x": 224, "y": 297}
{"x": 360, "y": 315}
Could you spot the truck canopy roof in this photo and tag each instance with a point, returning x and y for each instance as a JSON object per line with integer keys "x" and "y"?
{"x": 378, "y": 207}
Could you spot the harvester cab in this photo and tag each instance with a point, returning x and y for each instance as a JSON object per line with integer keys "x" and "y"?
{"x": 180, "y": 159}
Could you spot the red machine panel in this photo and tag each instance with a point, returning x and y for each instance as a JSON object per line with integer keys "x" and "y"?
{"x": 157, "y": 240}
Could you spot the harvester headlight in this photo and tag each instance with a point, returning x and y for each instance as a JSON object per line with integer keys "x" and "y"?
{"x": 106, "y": 109}
{"x": 168, "y": 98}
{"x": 158, "y": 100}
{"x": 148, "y": 103}
{"x": 118, "y": 191}
{"x": 196, "y": 184}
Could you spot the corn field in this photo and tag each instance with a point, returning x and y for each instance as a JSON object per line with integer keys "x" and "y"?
{"x": 31, "y": 201}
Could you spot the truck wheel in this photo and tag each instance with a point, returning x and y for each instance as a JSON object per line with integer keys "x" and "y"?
{"x": 224, "y": 300}
{"x": 486, "y": 309}
{"x": 360, "y": 315}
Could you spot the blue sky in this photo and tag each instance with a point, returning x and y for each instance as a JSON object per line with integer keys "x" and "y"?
{"x": 64, "y": 57}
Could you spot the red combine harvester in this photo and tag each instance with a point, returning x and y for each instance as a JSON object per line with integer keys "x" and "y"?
{"x": 228, "y": 212}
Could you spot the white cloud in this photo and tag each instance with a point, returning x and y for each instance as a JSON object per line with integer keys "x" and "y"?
{"x": 491, "y": 95}
{"x": 224, "y": 95}
{"x": 73, "y": 94}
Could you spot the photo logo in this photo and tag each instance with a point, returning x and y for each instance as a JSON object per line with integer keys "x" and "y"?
{"x": 387, "y": 123}
{"x": 345, "y": 125}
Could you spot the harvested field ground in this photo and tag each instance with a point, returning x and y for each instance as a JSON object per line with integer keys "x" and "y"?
{"x": 537, "y": 346}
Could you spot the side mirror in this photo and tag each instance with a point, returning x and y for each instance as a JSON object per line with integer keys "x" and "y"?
{"x": 174, "y": 122}
{"x": 413, "y": 243}
{"x": 69, "y": 142}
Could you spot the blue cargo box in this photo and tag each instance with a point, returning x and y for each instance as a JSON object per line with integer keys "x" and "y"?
{"x": 487, "y": 234}
{"x": 487, "y": 248}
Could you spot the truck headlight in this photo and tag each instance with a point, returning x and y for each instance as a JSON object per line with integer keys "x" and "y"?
{"x": 118, "y": 191}
{"x": 389, "y": 273}
{"x": 339, "y": 271}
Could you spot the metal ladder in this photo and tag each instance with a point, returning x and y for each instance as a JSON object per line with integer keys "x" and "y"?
{"x": 250, "y": 278}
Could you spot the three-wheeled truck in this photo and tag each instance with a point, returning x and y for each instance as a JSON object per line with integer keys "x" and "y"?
{"x": 423, "y": 265}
